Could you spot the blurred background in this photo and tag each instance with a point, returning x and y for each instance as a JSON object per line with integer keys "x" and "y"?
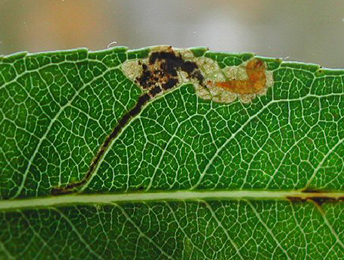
{"x": 308, "y": 30}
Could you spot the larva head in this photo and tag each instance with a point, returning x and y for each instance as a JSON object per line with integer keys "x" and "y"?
{"x": 255, "y": 70}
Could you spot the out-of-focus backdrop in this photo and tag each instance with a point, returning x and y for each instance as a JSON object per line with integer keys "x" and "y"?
{"x": 308, "y": 30}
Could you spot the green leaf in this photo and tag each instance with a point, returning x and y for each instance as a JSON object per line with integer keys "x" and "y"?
{"x": 162, "y": 153}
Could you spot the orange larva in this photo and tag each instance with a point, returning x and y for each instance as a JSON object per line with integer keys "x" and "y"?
{"x": 256, "y": 81}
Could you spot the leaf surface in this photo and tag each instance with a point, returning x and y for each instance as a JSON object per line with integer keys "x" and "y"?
{"x": 162, "y": 153}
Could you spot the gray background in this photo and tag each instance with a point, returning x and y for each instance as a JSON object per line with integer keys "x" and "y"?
{"x": 307, "y": 30}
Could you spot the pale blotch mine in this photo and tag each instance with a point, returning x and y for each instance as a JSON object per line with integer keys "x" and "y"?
{"x": 211, "y": 72}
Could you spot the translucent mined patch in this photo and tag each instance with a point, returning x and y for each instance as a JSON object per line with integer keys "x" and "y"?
{"x": 132, "y": 69}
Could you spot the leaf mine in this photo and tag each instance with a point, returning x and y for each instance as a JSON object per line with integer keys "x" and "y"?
{"x": 165, "y": 69}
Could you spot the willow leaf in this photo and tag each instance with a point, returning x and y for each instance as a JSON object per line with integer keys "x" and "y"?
{"x": 165, "y": 153}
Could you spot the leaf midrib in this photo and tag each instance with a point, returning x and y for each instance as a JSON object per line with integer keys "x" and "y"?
{"x": 186, "y": 195}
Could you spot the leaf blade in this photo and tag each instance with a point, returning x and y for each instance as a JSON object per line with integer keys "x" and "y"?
{"x": 186, "y": 177}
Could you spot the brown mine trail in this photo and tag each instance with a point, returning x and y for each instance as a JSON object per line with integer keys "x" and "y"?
{"x": 122, "y": 122}
{"x": 256, "y": 81}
